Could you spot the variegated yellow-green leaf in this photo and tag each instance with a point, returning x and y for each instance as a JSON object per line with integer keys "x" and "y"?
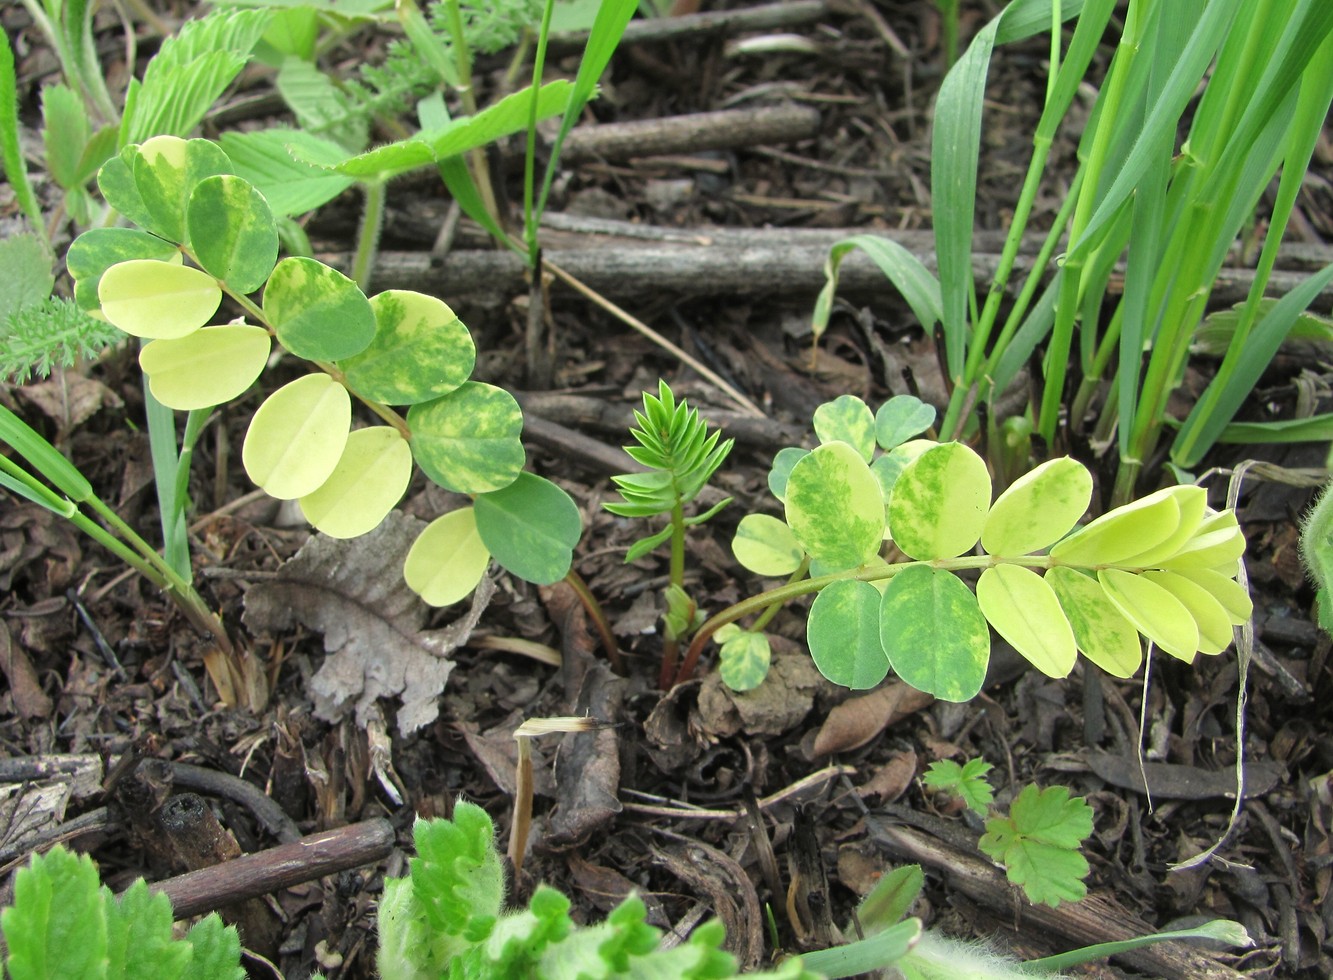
{"x": 743, "y": 658}
{"x": 371, "y": 477}
{"x": 1122, "y": 532}
{"x": 232, "y": 232}
{"x": 1193, "y": 502}
{"x": 1226, "y": 590}
{"x": 934, "y": 633}
{"x": 421, "y": 351}
{"x": 1038, "y": 509}
{"x": 317, "y": 312}
{"x": 1025, "y": 611}
{"x": 468, "y": 440}
{"x": 781, "y": 469}
{"x": 890, "y": 466}
{"x": 901, "y": 418}
{"x": 1218, "y": 540}
{"x": 1102, "y": 632}
{"x": 115, "y": 180}
{"x": 1156, "y": 613}
{"x": 530, "y": 527}
{"x": 166, "y": 170}
{"x": 98, "y": 249}
{"x": 833, "y": 505}
{"x": 207, "y": 367}
{"x": 1212, "y": 619}
{"x": 847, "y": 419}
{"x": 157, "y": 300}
{"x": 843, "y": 633}
{"x": 447, "y": 560}
{"x": 939, "y": 503}
{"x": 297, "y": 436}
{"x": 766, "y": 546}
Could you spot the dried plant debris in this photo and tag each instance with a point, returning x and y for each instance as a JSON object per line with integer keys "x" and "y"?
{"x": 372, "y": 623}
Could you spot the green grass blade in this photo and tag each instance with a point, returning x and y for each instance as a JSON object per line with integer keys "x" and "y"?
{"x": 43, "y": 457}
{"x": 166, "y": 472}
{"x": 11, "y": 154}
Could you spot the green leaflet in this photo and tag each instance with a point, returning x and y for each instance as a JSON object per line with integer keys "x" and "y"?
{"x": 743, "y": 658}
{"x": 844, "y": 635}
{"x": 939, "y": 503}
{"x": 420, "y": 351}
{"x": 317, "y": 312}
{"x": 900, "y": 418}
{"x": 833, "y": 505}
{"x": 847, "y": 419}
{"x": 166, "y": 170}
{"x": 371, "y": 476}
{"x": 97, "y": 250}
{"x": 781, "y": 469}
{"x": 297, "y": 436}
{"x": 934, "y": 633}
{"x": 530, "y": 527}
{"x": 232, "y": 232}
{"x": 468, "y": 440}
{"x": 447, "y": 560}
{"x": 1102, "y": 632}
{"x": 290, "y": 186}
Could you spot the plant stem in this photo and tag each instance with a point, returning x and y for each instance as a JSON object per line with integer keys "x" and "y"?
{"x": 368, "y": 234}
{"x": 598, "y": 617}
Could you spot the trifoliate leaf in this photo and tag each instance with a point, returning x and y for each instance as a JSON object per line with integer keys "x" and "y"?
{"x": 934, "y": 633}
{"x": 766, "y": 546}
{"x": 370, "y": 478}
{"x": 157, "y": 300}
{"x": 1025, "y": 611}
{"x": 448, "y": 559}
{"x": 843, "y": 634}
{"x": 1038, "y": 509}
{"x": 967, "y": 782}
{"x": 207, "y": 367}
{"x": 847, "y": 419}
{"x": 939, "y": 503}
{"x": 297, "y": 436}
{"x": 834, "y": 507}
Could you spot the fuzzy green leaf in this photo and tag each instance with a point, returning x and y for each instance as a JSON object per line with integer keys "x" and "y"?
{"x": 934, "y": 633}
{"x": 56, "y": 926}
{"x": 27, "y": 280}
{"x": 139, "y": 940}
{"x": 939, "y": 503}
{"x": 290, "y": 186}
{"x": 844, "y": 634}
{"x": 468, "y": 440}
{"x": 457, "y": 875}
{"x": 316, "y": 311}
{"x": 217, "y": 950}
{"x": 834, "y": 506}
{"x": 420, "y": 351}
{"x": 847, "y": 419}
{"x": 65, "y": 134}
{"x": 530, "y": 527}
{"x": 447, "y": 560}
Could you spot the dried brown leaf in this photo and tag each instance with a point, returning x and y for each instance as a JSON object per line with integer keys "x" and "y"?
{"x": 856, "y": 721}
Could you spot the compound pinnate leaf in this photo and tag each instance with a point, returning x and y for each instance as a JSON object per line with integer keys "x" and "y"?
{"x": 847, "y": 419}
{"x": 939, "y": 502}
{"x": 468, "y": 440}
{"x": 207, "y": 367}
{"x": 1193, "y": 503}
{"x": 232, "y": 232}
{"x": 843, "y": 633}
{"x": 1212, "y": 619}
{"x": 833, "y": 505}
{"x": 900, "y": 418}
{"x": 1038, "y": 509}
{"x": 530, "y": 527}
{"x": 934, "y": 633}
{"x": 1122, "y": 532}
{"x": 97, "y": 250}
{"x": 448, "y": 559}
{"x": 317, "y": 312}
{"x": 780, "y": 472}
{"x": 1038, "y": 844}
{"x": 371, "y": 477}
{"x": 1025, "y": 611}
{"x": 421, "y": 350}
{"x": 766, "y": 546}
{"x": 1101, "y": 631}
{"x": 1225, "y": 589}
{"x": 166, "y": 170}
{"x": 1154, "y": 611}
{"x": 297, "y": 436}
{"x": 743, "y": 657}
{"x": 157, "y": 300}
{"x": 1217, "y": 540}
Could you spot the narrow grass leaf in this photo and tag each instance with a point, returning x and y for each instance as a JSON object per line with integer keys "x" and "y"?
{"x": 11, "y": 152}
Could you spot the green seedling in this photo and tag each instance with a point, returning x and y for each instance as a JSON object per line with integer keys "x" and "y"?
{"x": 967, "y": 782}
{"x": 681, "y": 456}
{"x": 1038, "y": 844}
{"x": 65, "y": 923}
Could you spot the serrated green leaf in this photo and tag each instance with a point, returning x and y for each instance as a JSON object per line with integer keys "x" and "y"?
{"x": 297, "y": 436}
{"x": 139, "y": 938}
{"x": 1101, "y": 631}
{"x": 27, "y": 280}
{"x": 468, "y": 440}
{"x": 934, "y": 633}
{"x": 847, "y": 419}
{"x": 967, "y": 782}
{"x": 166, "y": 170}
{"x": 290, "y": 186}
{"x": 56, "y": 926}
{"x": 1025, "y": 611}
{"x": 1123, "y": 532}
{"x": 232, "y": 232}
{"x": 1154, "y": 611}
{"x": 531, "y": 528}
{"x": 447, "y": 560}
{"x": 766, "y": 546}
{"x": 779, "y": 473}
{"x": 900, "y": 418}
{"x": 939, "y": 503}
{"x": 370, "y": 478}
{"x": 217, "y": 950}
{"x": 1038, "y": 509}
{"x": 207, "y": 367}
{"x": 316, "y": 311}
{"x": 834, "y": 506}
{"x": 743, "y": 657}
{"x": 843, "y": 633}
{"x": 64, "y": 133}
{"x": 1213, "y": 621}
{"x": 95, "y": 251}
{"x": 157, "y": 300}
{"x": 420, "y": 351}
{"x": 1038, "y": 843}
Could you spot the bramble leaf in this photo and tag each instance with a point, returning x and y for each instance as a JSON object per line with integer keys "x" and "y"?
{"x": 843, "y": 634}
{"x": 766, "y": 545}
{"x": 1038, "y": 844}
{"x": 743, "y": 658}
{"x": 56, "y": 926}
{"x": 232, "y": 232}
{"x": 847, "y": 419}
{"x": 370, "y": 478}
{"x": 900, "y": 418}
{"x": 157, "y": 300}
{"x": 934, "y": 633}
{"x": 316, "y": 311}
{"x": 297, "y": 436}
{"x": 207, "y": 367}
{"x": 939, "y": 503}
{"x": 834, "y": 507}
{"x": 468, "y": 440}
{"x": 1038, "y": 509}
{"x": 1025, "y": 611}
{"x": 967, "y": 782}
{"x": 139, "y": 940}
{"x": 448, "y": 559}
{"x": 420, "y": 350}
{"x": 530, "y": 527}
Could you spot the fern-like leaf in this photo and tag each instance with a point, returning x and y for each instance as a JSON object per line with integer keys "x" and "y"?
{"x": 51, "y": 334}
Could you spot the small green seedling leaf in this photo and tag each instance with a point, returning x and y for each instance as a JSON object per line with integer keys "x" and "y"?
{"x": 1101, "y": 631}
{"x": 843, "y": 634}
{"x": 934, "y": 633}
{"x": 217, "y": 949}
{"x": 781, "y": 469}
{"x": 766, "y": 546}
{"x": 157, "y": 300}
{"x": 847, "y": 419}
{"x": 447, "y": 560}
{"x": 1025, "y": 611}
{"x": 232, "y": 232}
{"x": 421, "y": 350}
{"x": 530, "y": 527}
{"x": 166, "y": 170}
{"x": 468, "y": 440}
{"x": 207, "y": 367}
{"x": 65, "y": 134}
{"x": 139, "y": 940}
{"x": 371, "y": 477}
{"x": 939, "y": 503}
{"x": 56, "y": 926}
{"x": 834, "y": 506}
{"x": 1038, "y": 843}
{"x": 1154, "y": 611}
{"x": 297, "y": 436}
{"x": 97, "y": 250}
{"x": 28, "y": 279}
{"x": 743, "y": 658}
{"x": 900, "y": 418}
{"x": 967, "y": 782}
{"x": 317, "y": 312}
{"x": 1038, "y": 509}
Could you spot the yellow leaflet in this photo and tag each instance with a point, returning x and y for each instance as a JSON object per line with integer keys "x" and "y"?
{"x": 205, "y": 368}
{"x": 1213, "y": 621}
{"x": 1217, "y": 541}
{"x": 1038, "y": 509}
{"x": 447, "y": 560}
{"x": 157, "y": 300}
{"x": 1193, "y": 502}
{"x": 370, "y": 478}
{"x": 1230, "y": 593}
{"x": 1025, "y": 611}
{"x": 1121, "y": 533}
{"x": 297, "y": 436}
{"x": 1102, "y": 632}
{"x": 1157, "y": 614}
{"x": 766, "y": 545}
